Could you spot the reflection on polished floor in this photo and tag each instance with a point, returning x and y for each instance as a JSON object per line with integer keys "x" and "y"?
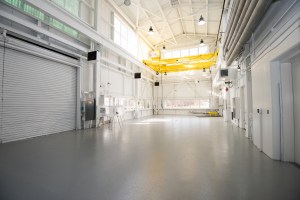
{"x": 159, "y": 158}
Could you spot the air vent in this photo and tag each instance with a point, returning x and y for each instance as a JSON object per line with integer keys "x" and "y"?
{"x": 174, "y": 2}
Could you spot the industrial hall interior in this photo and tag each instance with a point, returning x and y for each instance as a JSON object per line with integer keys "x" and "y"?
{"x": 149, "y": 99}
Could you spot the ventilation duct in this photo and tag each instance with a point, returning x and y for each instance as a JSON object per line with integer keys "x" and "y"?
{"x": 174, "y": 2}
{"x": 237, "y": 12}
{"x": 246, "y": 16}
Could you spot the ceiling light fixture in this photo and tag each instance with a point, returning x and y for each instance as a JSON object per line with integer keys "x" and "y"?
{"x": 201, "y": 21}
{"x": 202, "y": 43}
{"x": 127, "y": 2}
{"x": 150, "y": 32}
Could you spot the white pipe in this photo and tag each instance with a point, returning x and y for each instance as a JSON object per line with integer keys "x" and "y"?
{"x": 276, "y": 23}
{"x": 232, "y": 17}
{"x": 236, "y": 16}
{"x": 254, "y": 19}
{"x": 241, "y": 19}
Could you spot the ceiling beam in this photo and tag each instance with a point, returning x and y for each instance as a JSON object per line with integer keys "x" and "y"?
{"x": 197, "y": 5}
{"x": 180, "y": 16}
{"x": 152, "y": 23}
{"x": 196, "y": 37}
{"x": 158, "y": 39}
{"x": 126, "y": 18}
{"x": 137, "y": 14}
{"x": 197, "y": 34}
{"x": 206, "y": 24}
{"x": 146, "y": 10}
{"x": 178, "y": 12}
{"x": 191, "y": 4}
{"x": 187, "y": 16}
{"x": 165, "y": 19}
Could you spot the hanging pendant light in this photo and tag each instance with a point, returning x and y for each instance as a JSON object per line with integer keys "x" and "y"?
{"x": 163, "y": 48}
{"x": 150, "y": 32}
{"x": 127, "y": 2}
{"x": 202, "y": 43}
{"x": 201, "y": 21}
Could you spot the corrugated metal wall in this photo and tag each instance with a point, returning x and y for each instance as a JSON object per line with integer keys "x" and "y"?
{"x": 39, "y": 96}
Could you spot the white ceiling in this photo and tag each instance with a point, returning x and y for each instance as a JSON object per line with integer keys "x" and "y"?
{"x": 175, "y": 22}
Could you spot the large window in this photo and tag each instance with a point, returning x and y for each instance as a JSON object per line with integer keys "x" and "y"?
{"x": 128, "y": 39}
{"x": 70, "y": 5}
{"x": 128, "y": 103}
{"x": 143, "y": 53}
{"x": 145, "y": 104}
{"x": 125, "y": 37}
{"x": 83, "y": 9}
{"x": 187, "y": 103}
{"x": 40, "y": 15}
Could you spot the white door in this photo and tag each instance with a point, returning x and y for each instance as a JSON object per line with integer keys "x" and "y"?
{"x": 296, "y": 91}
{"x": 38, "y": 95}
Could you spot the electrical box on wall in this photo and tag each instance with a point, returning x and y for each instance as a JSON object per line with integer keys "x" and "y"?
{"x": 138, "y": 75}
{"x": 90, "y": 109}
{"x": 226, "y": 74}
{"x": 223, "y": 72}
{"x": 93, "y": 56}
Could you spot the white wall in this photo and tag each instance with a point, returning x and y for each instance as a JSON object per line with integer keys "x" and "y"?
{"x": 104, "y": 18}
{"x": 263, "y": 72}
{"x": 295, "y": 66}
{"x": 183, "y": 89}
{"x": 277, "y": 34}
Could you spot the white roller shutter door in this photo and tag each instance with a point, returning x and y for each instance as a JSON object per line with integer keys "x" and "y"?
{"x": 39, "y": 96}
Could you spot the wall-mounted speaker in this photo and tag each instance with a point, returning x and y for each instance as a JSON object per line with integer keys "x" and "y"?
{"x": 138, "y": 75}
{"x": 224, "y": 72}
{"x": 156, "y": 83}
{"x": 93, "y": 55}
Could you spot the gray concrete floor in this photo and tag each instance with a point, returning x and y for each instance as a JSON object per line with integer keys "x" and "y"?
{"x": 157, "y": 158}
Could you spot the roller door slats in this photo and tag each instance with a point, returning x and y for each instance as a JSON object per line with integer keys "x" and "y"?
{"x": 39, "y": 96}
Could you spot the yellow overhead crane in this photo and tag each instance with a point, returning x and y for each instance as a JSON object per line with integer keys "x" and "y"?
{"x": 188, "y": 63}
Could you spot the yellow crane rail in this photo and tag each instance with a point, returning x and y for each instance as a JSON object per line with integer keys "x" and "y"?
{"x": 188, "y": 63}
